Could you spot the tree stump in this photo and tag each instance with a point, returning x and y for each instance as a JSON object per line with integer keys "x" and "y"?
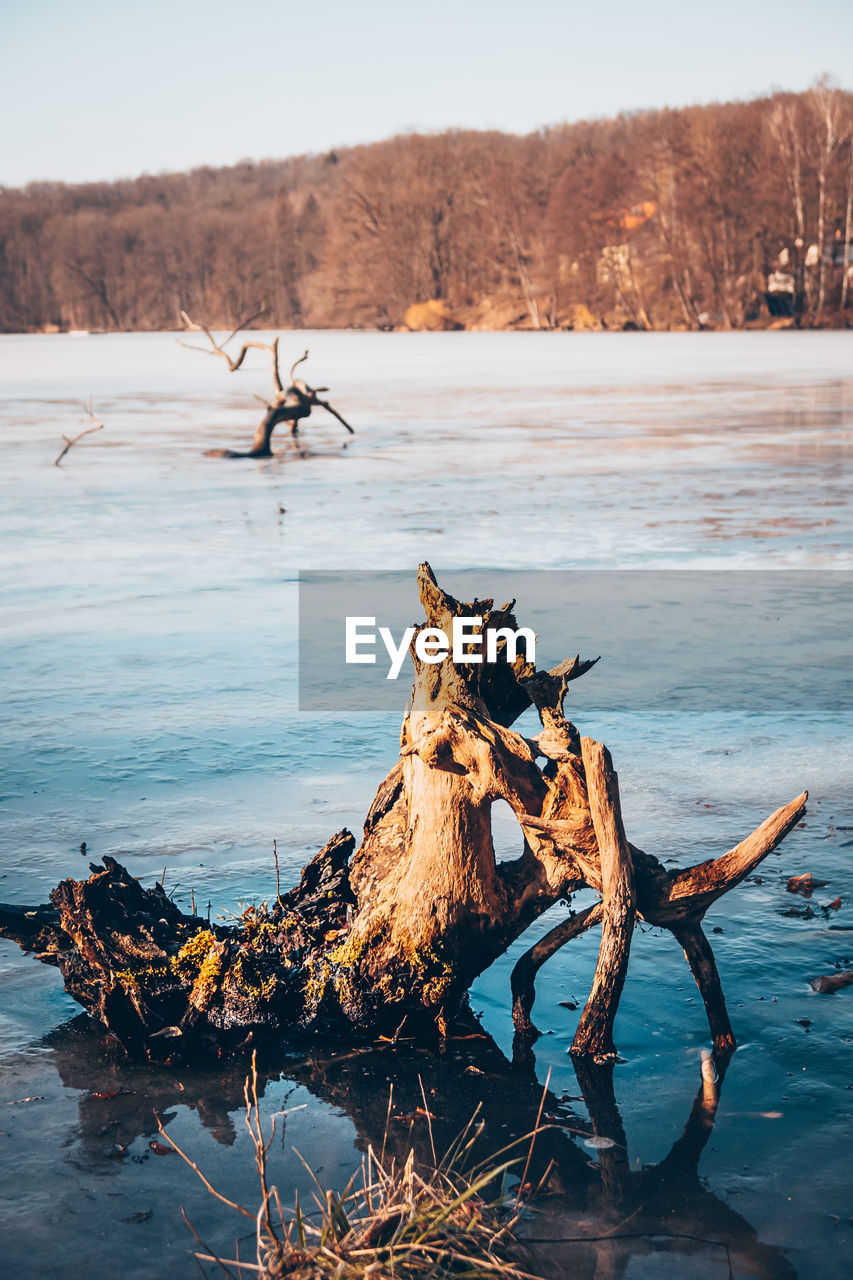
{"x": 396, "y": 930}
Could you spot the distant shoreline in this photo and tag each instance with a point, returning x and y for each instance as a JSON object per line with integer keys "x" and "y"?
{"x": 829, "y": 324}
{"x": 727, "y": 216}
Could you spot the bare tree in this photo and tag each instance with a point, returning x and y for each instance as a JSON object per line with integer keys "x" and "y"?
{"x": 662, "y": 177}
{"x": 290, "y": 403}
{"x": 787, "y": 135}
{"x": 825, "y": 103}
{"x": 848, "y": 229}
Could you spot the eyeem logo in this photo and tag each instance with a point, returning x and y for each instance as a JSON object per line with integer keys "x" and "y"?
{"x": 433, "y": 645}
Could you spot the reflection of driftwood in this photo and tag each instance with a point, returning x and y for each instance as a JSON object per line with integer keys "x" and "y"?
{"x": 289, "y": 404}
{"x": 399, "y": 928}
{"x": 395, "y": 1217}
{"x": 123, "y": 1097}
{"x": 597, "y": 1211}
{"x": 99, "y": 426}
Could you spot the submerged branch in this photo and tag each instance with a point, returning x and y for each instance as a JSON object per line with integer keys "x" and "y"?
{"x": 99, "y": 426}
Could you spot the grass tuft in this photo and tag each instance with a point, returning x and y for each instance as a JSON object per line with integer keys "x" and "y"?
{"x": 394, "y": 1220}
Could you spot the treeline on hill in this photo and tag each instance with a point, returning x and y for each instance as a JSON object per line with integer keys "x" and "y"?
{"x": 715, "y": 216}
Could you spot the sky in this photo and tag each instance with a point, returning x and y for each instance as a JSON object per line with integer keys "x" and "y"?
{"x": 91, "y": 89}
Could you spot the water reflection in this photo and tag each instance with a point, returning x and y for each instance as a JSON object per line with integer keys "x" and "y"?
{"x": 598, "y": 1215}
{"x": 120, "y": 1100}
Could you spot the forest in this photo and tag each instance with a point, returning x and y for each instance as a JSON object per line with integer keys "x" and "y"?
{"x": 720, "y": 216}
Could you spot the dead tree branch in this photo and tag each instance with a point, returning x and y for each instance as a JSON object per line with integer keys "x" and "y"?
{"x": 523, "y": 978}
{"x": 595, "y": 1030}
{"x": 99, "y": 426}
{"x": 289, "y": 404}
{"x": 218, "y": 349}
{"x": 296, "y": 365}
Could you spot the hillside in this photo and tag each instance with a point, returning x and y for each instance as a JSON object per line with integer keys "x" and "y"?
{"x": 726, "y": 215}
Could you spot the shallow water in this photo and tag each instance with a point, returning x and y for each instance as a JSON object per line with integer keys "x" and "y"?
{"x": 149, "y": 695}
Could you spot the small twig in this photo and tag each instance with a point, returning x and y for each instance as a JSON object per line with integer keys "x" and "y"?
{"x": 387, "y": 1123}
{"x": 217, "y": 1194}
{"x": 532, "y": 1140}
{"x": 208, "y": 1257}
{"x": 296, "y": 364}
{"x": 396, "y": 1035}
{"x": 253, "y": 1124}
{"x": 626, "y": 1235}
{"x": 277, "y": 883}
{"x": 99, "y": 426}
{"x": 241, "y": 1266}
{"x": 428, "y": 1119}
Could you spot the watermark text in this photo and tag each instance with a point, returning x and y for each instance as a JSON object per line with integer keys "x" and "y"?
{"x": 432, "y": 645}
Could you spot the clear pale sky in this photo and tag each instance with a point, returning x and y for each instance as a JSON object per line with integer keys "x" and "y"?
{"x": 95, "y": 89}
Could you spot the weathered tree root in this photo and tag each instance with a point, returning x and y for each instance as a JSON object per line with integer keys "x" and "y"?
{"x": 398, "y": 929}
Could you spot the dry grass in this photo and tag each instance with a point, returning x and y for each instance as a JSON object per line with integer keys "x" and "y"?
{"x": 395, "y": 1219}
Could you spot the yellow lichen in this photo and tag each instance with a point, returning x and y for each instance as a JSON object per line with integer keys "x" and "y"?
{"x": 261, "y": 931}
{"x": 128, "y": 979}
{"x": 209, "y": 977}
{"x": 250, "y": 982}
{"x": 348, "y": 952}
{"x": 188, "y": 962}
{"x": 424, "y": 965}
{"x": 315, "y": 987}
{"x": 143, "y": 976}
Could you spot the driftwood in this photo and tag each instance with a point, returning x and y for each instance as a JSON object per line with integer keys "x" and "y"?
{"x": 99, "y": 426}
{"x": 829, "y": 983}
{"x": 395, "y": 931}
{"x": 805, "y": 884}
{"x": 289, "y": 403}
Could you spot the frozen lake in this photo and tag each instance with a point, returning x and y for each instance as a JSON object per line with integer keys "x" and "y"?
{"x": 150, "y": 710}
